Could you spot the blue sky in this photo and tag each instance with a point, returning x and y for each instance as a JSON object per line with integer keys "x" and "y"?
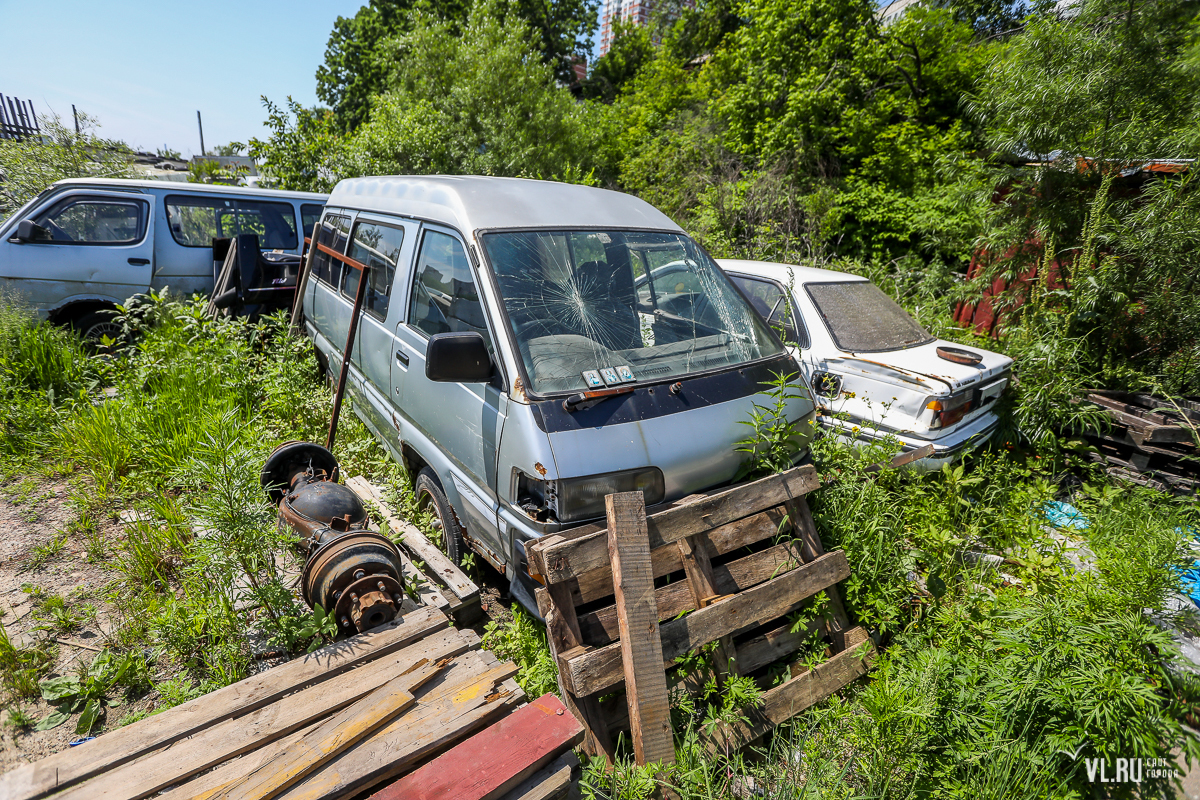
{"x": 145, "y": 68}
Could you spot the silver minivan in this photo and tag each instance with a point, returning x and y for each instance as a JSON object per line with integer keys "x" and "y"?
{"x": 509, "y": 356}
{"x": 84, "y": 245}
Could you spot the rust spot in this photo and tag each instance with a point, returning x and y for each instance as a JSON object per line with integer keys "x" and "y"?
{"x": 540, "y": 469}
{"x": 518, "y": 391}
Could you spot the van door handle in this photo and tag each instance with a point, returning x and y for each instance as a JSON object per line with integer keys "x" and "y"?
{"x": 139, "y": 262}
{"x": 403, "y": 359}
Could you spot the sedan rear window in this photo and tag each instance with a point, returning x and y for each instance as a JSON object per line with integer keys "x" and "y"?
{"x": 862, "y": 319}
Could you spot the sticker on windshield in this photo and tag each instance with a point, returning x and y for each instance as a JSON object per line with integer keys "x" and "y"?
{"x": 625, "y": 374}
{"x": 610, "y": 376}
{"x": 592, "y": 378}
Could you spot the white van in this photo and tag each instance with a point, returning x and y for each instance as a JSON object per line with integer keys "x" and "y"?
{"x": 508, "y": 355}
{"x": 875, "y": 371}
{"x": 87, "y": 244}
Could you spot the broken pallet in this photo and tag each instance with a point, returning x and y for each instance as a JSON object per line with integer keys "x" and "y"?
{"x": 731, "y": 578}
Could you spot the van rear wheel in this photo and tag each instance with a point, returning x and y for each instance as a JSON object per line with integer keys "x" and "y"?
{"x": 95, "y": 325}
{"x": 431, "y": 497}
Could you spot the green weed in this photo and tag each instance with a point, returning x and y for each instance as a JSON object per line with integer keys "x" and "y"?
{"x": 43, "y": 553}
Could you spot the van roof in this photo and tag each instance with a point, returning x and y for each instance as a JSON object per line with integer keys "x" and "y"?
{"x": 779, "y": 272}
{"x": 176, "y": 186}
{"x": 470, "y": 203}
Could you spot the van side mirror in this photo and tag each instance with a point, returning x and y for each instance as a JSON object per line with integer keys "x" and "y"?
{"x": 30, "y": 231}
{"x": 458, "y": 358}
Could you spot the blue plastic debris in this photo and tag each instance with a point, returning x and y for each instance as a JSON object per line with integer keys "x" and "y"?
{"x": 81, "y": 741}
{"x": 1189, "y": 578}
{"x": 1064, "y": 515}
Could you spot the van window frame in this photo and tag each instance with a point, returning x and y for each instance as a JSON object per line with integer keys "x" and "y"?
{"x": 394, "y": 224}
{"x": 291, "y": 205}
{"x": 471, "y": 265}
{"x": 63, "y": 203}
{"x": 351, "y": 217}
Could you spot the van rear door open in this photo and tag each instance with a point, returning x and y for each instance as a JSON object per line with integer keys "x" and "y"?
{"x": 88, "y": 243}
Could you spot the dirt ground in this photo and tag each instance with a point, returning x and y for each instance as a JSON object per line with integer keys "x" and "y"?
{"x": 33, "y": 511}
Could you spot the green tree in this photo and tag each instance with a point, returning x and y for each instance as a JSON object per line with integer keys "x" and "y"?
{"x": 27, "y": 166}
{"x": 304, "y": 150}
{"x": 630, "y": 50}
{"x": 476, "y": 103}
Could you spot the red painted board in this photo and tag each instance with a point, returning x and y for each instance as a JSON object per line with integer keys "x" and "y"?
{"x": 494, "y": 760}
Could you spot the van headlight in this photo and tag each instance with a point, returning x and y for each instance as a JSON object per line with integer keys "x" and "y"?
{"x": 573, "y": 499}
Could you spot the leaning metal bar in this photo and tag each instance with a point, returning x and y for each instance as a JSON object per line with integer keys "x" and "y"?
{"x": 301, "y": 285}
{"x": 363, "y": 273}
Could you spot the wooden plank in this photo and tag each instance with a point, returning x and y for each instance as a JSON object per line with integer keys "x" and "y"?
{"x": 551, "y": 782}
{"x": 786, "y": 700}
{"x": 562, "y": 635}
{"x": 439, "y": 565}
{"x": 495, "y": 760}
{"x": 225, "y": 740}
{"x": 398, "y": 746}
{"x": 637, "y": 617}
{"x": 597, "y": 584}
{"x": 704, "y": 592}
{"x": 454, "y": 678}
{"x": 558, "y": 559}
{"x": 598, "y": 669}
{"x": 333, "y": 736}
{"x": 806, "y": 530}
{"x": 600, "y": 627}
{"x": 125, "y": 744}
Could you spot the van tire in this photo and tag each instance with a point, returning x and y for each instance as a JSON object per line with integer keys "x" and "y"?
{"x": 430, "y": 495}
{"x": 95, "y": 324}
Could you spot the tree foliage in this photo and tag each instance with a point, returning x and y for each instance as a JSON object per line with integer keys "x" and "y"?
{"x": 27, "y": 166}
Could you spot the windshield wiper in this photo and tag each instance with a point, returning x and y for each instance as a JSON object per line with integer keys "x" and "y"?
{"x": 585, "y": 400}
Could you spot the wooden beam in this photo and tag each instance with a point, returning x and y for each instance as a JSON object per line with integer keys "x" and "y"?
{"x": 806, "y": 530}
{"x": 495, "y": 760}
{"x": 637, "y": 617}
{"x": 250, "y": 731}
{"x": 562, "y": 635}
{"x": 461, "y": 589}
{"x": 125, "y": 744}
{"x": 551, "y": 782}
{"x": 788, "y": 699}
{"x": 334, "y": 735}
{"x": 598, "y": 669}
{"x": 723, "y": 539}
{"x": 558, "y": 559}
{"x": 704, "y": 592}
{"x": 600, "y": 627}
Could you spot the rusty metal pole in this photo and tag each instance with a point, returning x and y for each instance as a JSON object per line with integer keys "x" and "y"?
{"x": 346, "y": 351}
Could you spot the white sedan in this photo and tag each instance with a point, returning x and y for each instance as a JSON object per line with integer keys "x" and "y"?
{"x": 874, "y": 370}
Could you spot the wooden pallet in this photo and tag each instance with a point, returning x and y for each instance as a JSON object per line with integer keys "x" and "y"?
{"x": 622, "y": 602}
{"x": 1150, "y": 442}
{"x": 331, "y": 724}
{"x": 458, "y": 595}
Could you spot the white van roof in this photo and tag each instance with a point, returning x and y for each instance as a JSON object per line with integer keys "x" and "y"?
{"x": 779, "y": 272}
{"x": 175, "y": 186}
{"x": 470, "y": 203}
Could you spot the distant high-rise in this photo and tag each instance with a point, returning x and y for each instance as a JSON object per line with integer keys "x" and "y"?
{"x": 635, "y": 11}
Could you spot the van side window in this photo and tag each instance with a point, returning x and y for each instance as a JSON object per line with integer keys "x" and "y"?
{"x": 444, "y": 297}
{"x": 310, "y": 213}
{"x": 195, "y": 221}
{"x": 95, "y": 221}
{"x": 770, "y": 301}
{"x": 378, "y": 247}
{"x": 332, "y": 233}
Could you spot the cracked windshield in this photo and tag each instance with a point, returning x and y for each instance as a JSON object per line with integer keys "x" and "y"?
{"x": 590, "y": 309}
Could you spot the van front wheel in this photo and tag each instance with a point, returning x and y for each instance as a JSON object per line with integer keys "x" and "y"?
{"x": 431, "y": 497}
{"x": 96, "y": 325}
